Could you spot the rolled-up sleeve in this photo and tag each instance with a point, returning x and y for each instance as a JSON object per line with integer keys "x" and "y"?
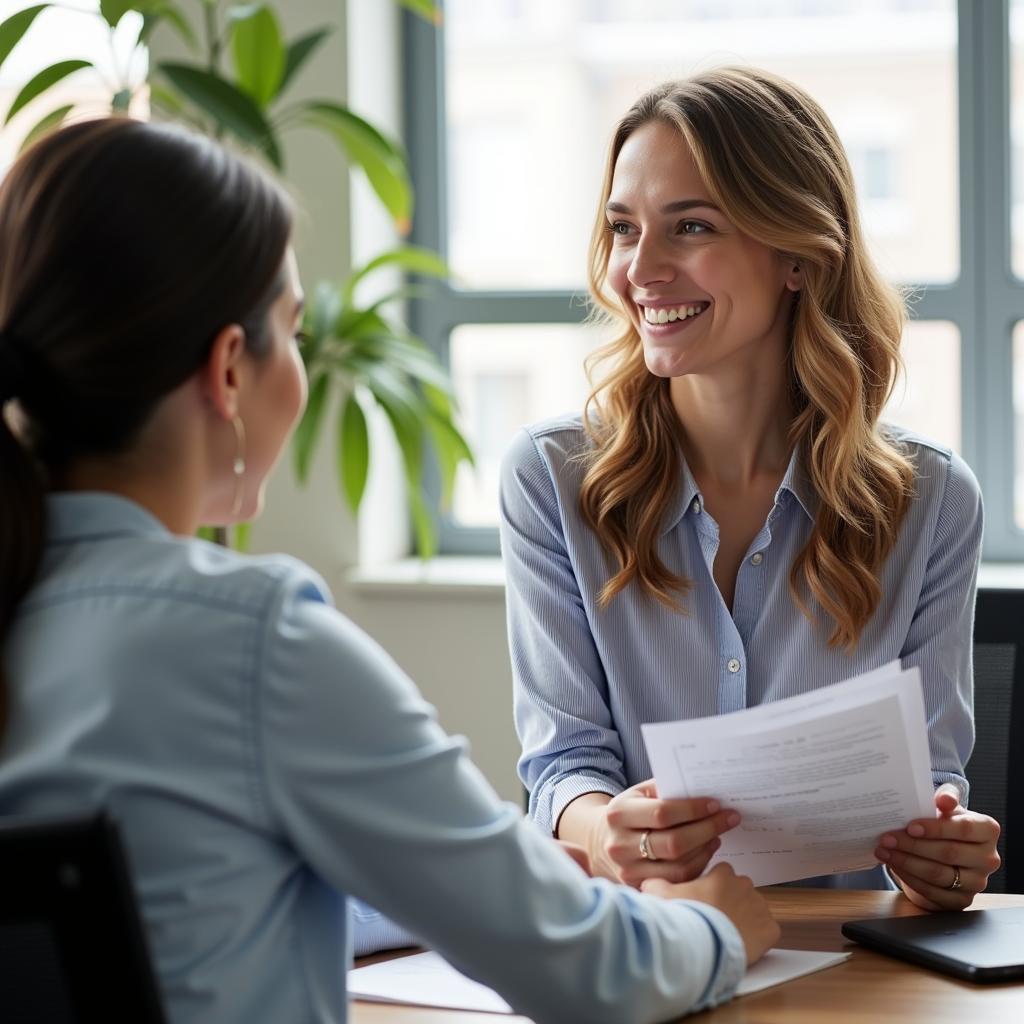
{"x": 384, "y": 806}
{"x": 940, "y": 635}
{"x": 570, "y": 745}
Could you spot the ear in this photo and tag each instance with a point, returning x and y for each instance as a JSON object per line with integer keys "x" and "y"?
{"x": 794, "y": 276}
{"x": 221, "y": 377}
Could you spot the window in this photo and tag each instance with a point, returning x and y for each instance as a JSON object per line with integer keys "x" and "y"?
{"x": 510, "y": 107}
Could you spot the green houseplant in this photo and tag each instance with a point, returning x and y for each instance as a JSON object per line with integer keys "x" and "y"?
{"x": 235, "y": 88}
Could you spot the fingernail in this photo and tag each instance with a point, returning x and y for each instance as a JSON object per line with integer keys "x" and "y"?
{"x": 882, "y": 854}
{"x": 733, "y": 820}
{"x": 889, "y": 841}
{"x": 915, "y": 830}
{"x": 713, "y": 806}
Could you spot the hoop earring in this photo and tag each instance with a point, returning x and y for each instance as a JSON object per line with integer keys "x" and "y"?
{"x": 238, "y": 466}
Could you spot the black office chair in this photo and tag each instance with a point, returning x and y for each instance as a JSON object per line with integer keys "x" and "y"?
{"x": 996, "y": 769}
{"x": 72, "y": 945}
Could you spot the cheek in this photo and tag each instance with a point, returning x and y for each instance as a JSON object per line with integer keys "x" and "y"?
{"x": 618, "y": 282}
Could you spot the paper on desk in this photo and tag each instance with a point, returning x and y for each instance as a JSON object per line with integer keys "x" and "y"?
{"x": 817, "y": 778}
{"x": 426, "y": 979}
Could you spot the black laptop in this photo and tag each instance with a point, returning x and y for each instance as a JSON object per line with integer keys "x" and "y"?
{"x": 976, "y": 945}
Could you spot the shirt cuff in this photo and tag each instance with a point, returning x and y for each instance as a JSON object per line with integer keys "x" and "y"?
{"x": 730, "y": 958}
{"x": 555, "y": 796}
{"x": 939, "y": 778}
{"x": 373, "y": 932}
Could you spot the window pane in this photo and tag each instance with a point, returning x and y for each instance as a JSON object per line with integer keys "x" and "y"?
{"x": 509, "y": 375}
{"x": 535, "y": 88}
{"x": 63, "y": 33}
{"x": 506, "y": 376}
{"x": 1017, "y": 134}
{"x": 927, "y": 397}
{"x": 1018, "y": 424}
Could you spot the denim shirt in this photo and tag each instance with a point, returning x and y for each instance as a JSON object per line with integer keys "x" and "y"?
{"x": 266, "y": 760}
{"x": 586, "y": 678}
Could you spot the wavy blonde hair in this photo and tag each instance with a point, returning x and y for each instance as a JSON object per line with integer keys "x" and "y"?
{"x": 771, "y": 160}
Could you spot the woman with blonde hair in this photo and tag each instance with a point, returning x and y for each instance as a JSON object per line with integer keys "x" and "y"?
{"x": 729, "y": 523}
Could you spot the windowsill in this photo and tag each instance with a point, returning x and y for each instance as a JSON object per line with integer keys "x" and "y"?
{"x": 467, "y": 577}
{"x": 464, "y": 577}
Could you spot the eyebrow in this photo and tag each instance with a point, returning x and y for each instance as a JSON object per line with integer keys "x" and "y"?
{"x": 679, "y": 206}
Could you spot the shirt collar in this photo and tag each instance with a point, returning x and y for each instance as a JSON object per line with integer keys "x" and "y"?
{"x": 796, "y": 481}
{"x": 81, "y": 515}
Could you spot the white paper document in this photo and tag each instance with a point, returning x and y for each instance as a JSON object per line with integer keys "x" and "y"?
{"x": 816, "y": 778}
{"x": 426, "y": 979}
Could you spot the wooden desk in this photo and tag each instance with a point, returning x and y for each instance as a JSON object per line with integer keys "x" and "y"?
{"x": 868, "y": 989}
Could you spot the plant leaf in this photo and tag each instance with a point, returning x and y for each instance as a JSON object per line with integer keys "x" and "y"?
{"x": 14, "y": 27}
{"x": 309, "y": 427}
{"x": 114, "y": 10}
{"x": 259, "y": 55}
{"x": 170, "y": 13}
{"x": 380, "y": 159}
{"x": 299, "y": 52}
{"x": 52, "y": 119}
{"x": 423, "y": 524}
{"x": 451, "y": 449}
{"x": 410, "y": 258}
{"x": 241, "y": 12}
{"x": 44, "y": 80}
{"x": 426, "y": 9}
{"x": 231, "y": 108}
{"x": 353, "y": 452}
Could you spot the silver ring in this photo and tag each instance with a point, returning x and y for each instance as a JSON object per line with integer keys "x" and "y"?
{"x": 955, "y": 884}
{"x": 645, "y": 847}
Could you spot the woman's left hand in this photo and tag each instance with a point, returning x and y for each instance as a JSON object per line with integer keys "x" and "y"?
{"x": 942, "y": 863}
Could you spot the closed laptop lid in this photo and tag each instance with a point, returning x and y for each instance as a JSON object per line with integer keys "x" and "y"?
{"x": 978, "y": 944}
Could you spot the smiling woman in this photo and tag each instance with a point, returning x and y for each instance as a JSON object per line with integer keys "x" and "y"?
{"x": 729, "y": 522}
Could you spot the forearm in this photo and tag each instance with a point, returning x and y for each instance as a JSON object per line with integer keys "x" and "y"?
{"x": 582, "y": 822}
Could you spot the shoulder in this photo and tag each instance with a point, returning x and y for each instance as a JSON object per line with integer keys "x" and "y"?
{"x": 551, "y": 443}
{"x": 942, "y": 477}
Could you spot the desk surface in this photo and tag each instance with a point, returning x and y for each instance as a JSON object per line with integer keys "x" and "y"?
{"x": 868, "y": 987}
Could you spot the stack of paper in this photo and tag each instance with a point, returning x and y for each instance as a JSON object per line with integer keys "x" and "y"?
{"x": 816, "y": 778}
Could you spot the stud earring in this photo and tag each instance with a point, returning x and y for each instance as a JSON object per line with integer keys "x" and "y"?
{"x": 238, "y": 467}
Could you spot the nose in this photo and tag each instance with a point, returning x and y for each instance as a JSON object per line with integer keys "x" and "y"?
{"x": 651, "y": 263}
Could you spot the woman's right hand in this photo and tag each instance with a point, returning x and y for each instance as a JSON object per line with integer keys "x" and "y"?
{"x": 735, "y": 896}
{"x": 680, "y": 836}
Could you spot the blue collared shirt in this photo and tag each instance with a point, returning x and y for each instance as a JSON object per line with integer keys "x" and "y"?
{"x": 266, "y": 760}
{"x": 585, "y": 678}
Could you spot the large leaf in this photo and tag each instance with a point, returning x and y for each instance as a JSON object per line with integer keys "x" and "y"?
{"x": 423, "y": 524}
{"x": 14, "y": 27}
{"x": 299, "y": 52}
{"x": 231, "y": 108}
{"x": 380, "y": 159}
{"x": 51, "y": 120}
{"x": 309, "y": 427}
{"x": 259, "y": 55}
{"x": 410, "y": 258}
{"x": 353, "y": 452}
{"x": 114, "y": 10}
{"x": 451, "y": 448}
{"x": 46, "y": 79}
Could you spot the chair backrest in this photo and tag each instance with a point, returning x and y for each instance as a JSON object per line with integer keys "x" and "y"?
{"x": 995, "y": 770}
{"x": 72, "y": 945}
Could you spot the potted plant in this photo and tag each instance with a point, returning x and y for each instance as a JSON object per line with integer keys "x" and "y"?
{"x": 236, "y": 88}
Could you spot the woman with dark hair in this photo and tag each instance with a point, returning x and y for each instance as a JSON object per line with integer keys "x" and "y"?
{"x": 729, "y": 522}
{"x": 265, "y": 760}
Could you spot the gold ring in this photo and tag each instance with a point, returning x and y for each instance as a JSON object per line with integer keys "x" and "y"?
{"x": 955, "y": 884}
{"x": 645, "y": 846}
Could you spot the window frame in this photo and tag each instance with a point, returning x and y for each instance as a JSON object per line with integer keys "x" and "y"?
{"x": 983, "y": 302}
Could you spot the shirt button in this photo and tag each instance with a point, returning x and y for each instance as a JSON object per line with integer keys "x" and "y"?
{"x": 756, "y": 559}
{"x": 733, "y": 665}
{"x": 696, "y": 505}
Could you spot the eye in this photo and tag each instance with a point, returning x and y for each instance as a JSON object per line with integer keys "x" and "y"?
{"x": 619, "y": 227}
{"x": 302, "y": 338}
{"x": 693, "y": 227}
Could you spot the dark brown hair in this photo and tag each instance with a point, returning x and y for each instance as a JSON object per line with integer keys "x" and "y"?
{"x": 125, "y": 248}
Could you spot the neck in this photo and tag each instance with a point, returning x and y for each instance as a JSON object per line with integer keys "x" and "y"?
{"x": 735, "y": 422}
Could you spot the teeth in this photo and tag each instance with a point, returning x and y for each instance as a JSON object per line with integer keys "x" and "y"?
{"x": 668, "y": 316}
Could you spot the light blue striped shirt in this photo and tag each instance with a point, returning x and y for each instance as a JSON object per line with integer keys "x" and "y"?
{"x": 585, "y": 679}
{"x": 266, "y": 760}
